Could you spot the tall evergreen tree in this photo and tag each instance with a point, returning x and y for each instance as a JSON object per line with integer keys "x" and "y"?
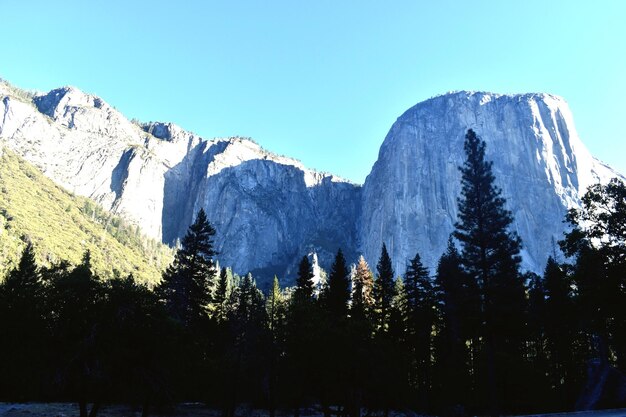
{"x": 186, "y": 284}
{"x": 78, "y": 297}
{"x": 384, "y": 290}
{"x": 420, "y": 306}
{"x": 25, "y": 279}
{"x": 303, "y": 334}
{"x": 276, "y": 311}
{"x": 221, "y": 295}
{"x": 559, "y": 323}
{"x": 338, "y": 291}
{"x": 457, "y": 343}
{"x": 491, "y": 256}
{"x": 362, "y": 291}
{"x": 304, "y": 281}
{"x": 23, "y": 329}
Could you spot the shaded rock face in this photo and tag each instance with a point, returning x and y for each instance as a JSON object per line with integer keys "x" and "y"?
{"x": 270, "y": 210}
{"x": 542, "y": 167}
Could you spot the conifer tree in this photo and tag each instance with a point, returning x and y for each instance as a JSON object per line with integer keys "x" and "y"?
{"x": 559, "y": 323}
{"x": 221, "y": 295}
{"x": 398, "y": 313}
{"x": 384, "y": 290}
{"x": 338, "y": 291}
{"x": 25, "y": 279}
{"x": 23, "y": 328}
{"x": 303, "y": 331}
{"x": 458, "y": 304}
{"x": 420, "y": 312}
{"x": 491, "y": 256}
{"x": 362, "y": 291}
{"x": 186, "y": 284}
{"x": 304, "y": 281}
{"x": 276, "y": 310}
{"x": 275, "y": 306}
{"x": 78, "y": 299}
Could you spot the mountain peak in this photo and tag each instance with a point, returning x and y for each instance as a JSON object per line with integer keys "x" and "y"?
{"x": 54, "y": 102}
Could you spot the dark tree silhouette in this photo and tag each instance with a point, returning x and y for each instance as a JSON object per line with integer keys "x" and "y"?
{"x": 420, "y": 313}
{"x": 186, "y": 284}
{"x": 338, "y": 291}
{"x": 304, "y": 281}
{"x": 491, "y": 256}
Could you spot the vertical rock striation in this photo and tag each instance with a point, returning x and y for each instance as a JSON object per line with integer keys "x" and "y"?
{"x": 542, "y": 167}
{"x": 269, "y": 210}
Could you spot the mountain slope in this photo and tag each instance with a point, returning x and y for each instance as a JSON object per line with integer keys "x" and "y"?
{"x": 268, "y": 210}
{"x": 62, "y": 226}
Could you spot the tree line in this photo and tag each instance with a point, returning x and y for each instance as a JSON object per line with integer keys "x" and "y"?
{"x": 478, "y": 336}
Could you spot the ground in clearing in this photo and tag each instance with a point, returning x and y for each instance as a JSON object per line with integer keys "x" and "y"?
{"x": 198, "y": 410}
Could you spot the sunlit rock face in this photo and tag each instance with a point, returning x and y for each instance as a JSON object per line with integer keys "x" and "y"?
{"x": 270, "y": 210}
{"x": 542, "y": 167}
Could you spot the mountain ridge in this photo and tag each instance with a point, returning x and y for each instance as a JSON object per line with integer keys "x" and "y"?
{"x": 270, "y": 210}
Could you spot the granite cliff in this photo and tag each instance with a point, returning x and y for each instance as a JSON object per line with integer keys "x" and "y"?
{"x": 540, "y": 163}
{"x": 269, "y": 210}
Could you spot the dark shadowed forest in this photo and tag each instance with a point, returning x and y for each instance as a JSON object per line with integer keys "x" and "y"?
{"x": 475, "y": 336}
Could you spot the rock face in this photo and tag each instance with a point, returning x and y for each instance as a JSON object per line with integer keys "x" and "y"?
{"x": 542, "y": 167}
{"x": 270, "y": 210}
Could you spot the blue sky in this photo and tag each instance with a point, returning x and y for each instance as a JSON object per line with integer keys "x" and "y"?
{"x": 321, "y": 81}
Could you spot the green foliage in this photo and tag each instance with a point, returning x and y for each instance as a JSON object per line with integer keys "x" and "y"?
{"x": 384, "y": 291}
{"x": 362, "y": 292}
{"x": 474, "y": 338}
{"x": 597, "y": 244}
{"x": 62, "y": 226}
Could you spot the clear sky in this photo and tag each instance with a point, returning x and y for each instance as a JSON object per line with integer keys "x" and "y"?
{"x": 321, "y": 81}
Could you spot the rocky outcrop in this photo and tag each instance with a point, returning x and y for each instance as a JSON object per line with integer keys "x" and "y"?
{"x": 540, "y": 163}
{"x": 269, "y": 210}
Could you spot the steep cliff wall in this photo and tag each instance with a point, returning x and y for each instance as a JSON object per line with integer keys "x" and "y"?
{"x": 269, "y": 210}
{"x": 410, "y": 197}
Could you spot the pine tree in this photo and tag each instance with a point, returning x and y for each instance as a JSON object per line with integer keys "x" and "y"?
{"x": 491, "y": 256}
{"x": 186, "y": 284}
{"x": 559, "y": 323}
{"x": 23, "y": 284}
{"x": 276, "y": 308}
{"x": 458, "y": 304}
{"x": 383, "y": 290}
{"x": 420, "y": 306}
{"x": 221, "y": 295}
{"x": 78, "y": 298}
{"x": 338, "y": 291}
{"x": 246, "y": 320}
{"x": 362, "y": 291}
{"x": 304, "y": 281}
{"x": 23, "y": 329}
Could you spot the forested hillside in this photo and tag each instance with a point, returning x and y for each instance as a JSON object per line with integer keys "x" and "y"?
{"x": 479, "y": 336}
